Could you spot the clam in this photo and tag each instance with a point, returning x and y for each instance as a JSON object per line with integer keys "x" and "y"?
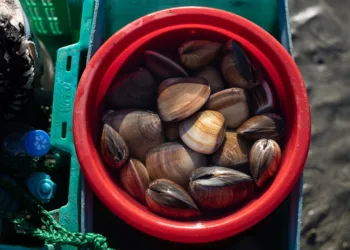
{"x": 238, "y": 69}
{"x": 169, "y": 199}
{"x": 212, "y": 75}
{"x": 268, "y": 126}
{"x": 262, "y": 98}
{"x": 203, "y": 132}
{"x": 264, "y": 160}
{"x": 219, "y": 187}
{"x": 162, "y": 66}
{"x": 136, "y": 90}
{"x": 141, "y": 130}
{"x": 171, "y": 130}
{"x": 173, "y": 161}
{"x": 233, "y": 152}
{"x": 106, "y": 115}
{"x": 198, "y": 53}
{"x": 232, "y": 104}
{"x": 178, "y": 98}
{"x": 114, "y": 149}
{"x": 135, "y": 179}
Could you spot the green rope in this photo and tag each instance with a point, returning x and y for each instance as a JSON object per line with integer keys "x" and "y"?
{"x": 48, "y": 229}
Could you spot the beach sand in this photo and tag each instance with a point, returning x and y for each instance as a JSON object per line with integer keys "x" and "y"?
{"x": 321, "y": 46}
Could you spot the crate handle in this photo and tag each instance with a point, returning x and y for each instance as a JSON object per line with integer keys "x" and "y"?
{"x": 66, "y": 81}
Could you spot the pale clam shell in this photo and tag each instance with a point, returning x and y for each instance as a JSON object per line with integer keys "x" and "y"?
{"x": 173, "y": 161}
{"x": 169, "y": 199}
{"x": 264, "y": 160}
{"x": 232, "y": 103}
{"x": 198, "y": 53}
{"x": 203, "y": 132}
{"x": 141, "y": 130}
{"x": 135, "y": 179}
{"x": 178, "y": 98}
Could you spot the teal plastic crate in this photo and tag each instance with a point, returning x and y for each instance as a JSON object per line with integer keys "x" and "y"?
{"x": 281, "y": 230}
{"x": 70, "y": 61}
{"x": 100, "y": 19}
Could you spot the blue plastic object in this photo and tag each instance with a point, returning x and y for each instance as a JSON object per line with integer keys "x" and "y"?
{"x": 41, "y": 186}
{"x": 34, "y": 143}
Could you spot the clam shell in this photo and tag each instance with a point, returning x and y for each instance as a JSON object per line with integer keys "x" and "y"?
{"x": 219, "y": 187}
{"x": 212, "y": 75}
{"x": 264, "y": 159}
{"x": 198, "y": 53}
{"x": 141, "y": 130}
{"x": 178, "y": 98}
{"x": 232, "y": 104}
{"x": 135, "y": 179}
{"x": 169, "y": 199}
{"x": 136, "y": 90}
{"x": 268, "y": 126}
{"x": 238, "y": 69}
{"x": 203, "y": 132}
{"x": 114, "y": 149}
{"x": 171, "y": 130}
{"x": 173, "y": 161}
{"x": 262, "y": 99}
{"x": 162, "y": 66}
{"x": 233, "y": 152}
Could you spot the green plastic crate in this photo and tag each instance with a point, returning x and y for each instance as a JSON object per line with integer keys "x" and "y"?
{"x": 55, "y": 22}
{"x": 67, "y": 74}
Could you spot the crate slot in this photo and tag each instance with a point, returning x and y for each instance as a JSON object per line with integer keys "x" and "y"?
{"x": 69, "y": 63}
{"x": 64, "y": 130}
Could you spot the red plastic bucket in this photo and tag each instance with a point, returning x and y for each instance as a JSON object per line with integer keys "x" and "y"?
{"x": 170, "y": 28}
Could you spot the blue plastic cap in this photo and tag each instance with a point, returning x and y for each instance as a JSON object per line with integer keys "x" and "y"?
{"x": 37, "y": 143}
{"x": 41, "y": 186}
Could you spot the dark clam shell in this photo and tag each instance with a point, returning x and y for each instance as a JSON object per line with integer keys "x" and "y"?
{"x": 162, "y": 66}
{"x": 136, "y": 90}
{"x": 219, "y": 187}
{"x": 169, "y": 199}
{"x": 268, "y": 126}
{"x": 212, "y": 75}
{"x": 135, "y": 179}
{"x": 262, "y": 99}
{"x": 114, "y": 149}
{"x": 264, "y": 160}
{"x": 198, "y": 53}
{"x": 238, "y": 69}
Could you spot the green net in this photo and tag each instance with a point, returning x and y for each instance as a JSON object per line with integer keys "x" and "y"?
{"x": 34, "y": 220}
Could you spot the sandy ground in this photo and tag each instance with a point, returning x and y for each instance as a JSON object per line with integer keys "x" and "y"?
{"x": 321, "y": 45}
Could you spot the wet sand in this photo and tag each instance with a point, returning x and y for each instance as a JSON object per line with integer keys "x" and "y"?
{"x": 321, "y": 46}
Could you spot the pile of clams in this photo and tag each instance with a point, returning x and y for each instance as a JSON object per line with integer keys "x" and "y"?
{"x": 195, "y": 133}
